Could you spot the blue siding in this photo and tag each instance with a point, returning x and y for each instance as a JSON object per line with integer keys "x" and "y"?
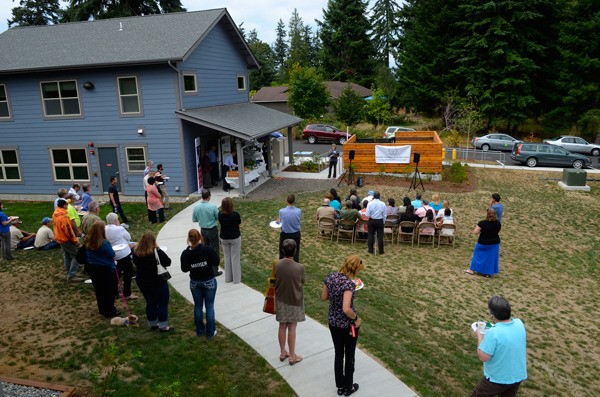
{"x": 217, "y": 64}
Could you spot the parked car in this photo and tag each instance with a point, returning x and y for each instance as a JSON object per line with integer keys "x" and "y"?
{"x": 494, "y": 142}
{"x": 532, "y": 154}
{"x": 323, "y": 132}
{"x": 575, "y": 144}
{"x": 390, "y": 132}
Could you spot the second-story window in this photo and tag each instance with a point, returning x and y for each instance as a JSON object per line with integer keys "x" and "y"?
{"x": 241, "y": 83}
{"x": 129, "y": 98}
{"x": 189, "y": 83}
{"x": 4, "y": 110}
{"x": 60, "y": 98}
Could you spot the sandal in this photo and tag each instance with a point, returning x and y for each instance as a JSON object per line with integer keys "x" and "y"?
{"x": 168, "y": 329}
{"x": 352, "y": 390}
{"x": 297, "y": 360}
{"x": 469, "y": 271}
{"x": 282, "y": 357}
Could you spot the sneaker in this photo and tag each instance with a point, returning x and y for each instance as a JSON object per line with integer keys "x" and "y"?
{"x": 215, "y": 334}
{"x": 219, "y": 273}
{"x": 126, "y": 226}
{"x": 75, "y": 279}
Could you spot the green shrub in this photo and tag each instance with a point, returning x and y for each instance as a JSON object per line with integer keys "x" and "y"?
{"x": 452, "y": 138}
{"x": 457, "y": 172}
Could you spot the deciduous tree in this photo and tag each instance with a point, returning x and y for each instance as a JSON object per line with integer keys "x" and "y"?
{"x": 308, "y": 96}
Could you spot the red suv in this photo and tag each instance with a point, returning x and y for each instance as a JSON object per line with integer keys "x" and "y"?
{"x": 323, "y": 132}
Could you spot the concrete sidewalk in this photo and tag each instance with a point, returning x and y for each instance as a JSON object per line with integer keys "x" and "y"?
{"x": 239, "y": 308}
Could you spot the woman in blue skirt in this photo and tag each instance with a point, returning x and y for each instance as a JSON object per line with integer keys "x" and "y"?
{"x": 487, "y": 250}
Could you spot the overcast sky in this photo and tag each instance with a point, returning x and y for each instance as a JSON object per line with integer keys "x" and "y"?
{"x": 261, "y": 15}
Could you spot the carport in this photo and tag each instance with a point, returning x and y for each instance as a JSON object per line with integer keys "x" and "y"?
{"x": 246, "y": 121}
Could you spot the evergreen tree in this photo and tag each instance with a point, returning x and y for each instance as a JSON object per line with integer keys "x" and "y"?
{"x": 35, "y": 12}
{"x": 347, "y": 53}
{"x": 308, "y": 96}
{"x": 84, "y": 10}
{"x": 266, "y": 59}
{"x": 300, "y": 40}
{"x": 384, "y": 17}
{"x": 425, "y": 59}
{"x": 498, "y": 57}
{"x": 350, "y": 107}
{"x": 280, "y": 48}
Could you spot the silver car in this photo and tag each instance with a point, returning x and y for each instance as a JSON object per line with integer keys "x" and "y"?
{"x": 390, "y": 132}
{"x": 494, "y": 142}
{"x": 575, "y": 144}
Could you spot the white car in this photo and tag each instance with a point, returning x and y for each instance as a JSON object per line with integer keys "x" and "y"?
{"x": 575, "y": 144}
{"x": 390, "y": 132}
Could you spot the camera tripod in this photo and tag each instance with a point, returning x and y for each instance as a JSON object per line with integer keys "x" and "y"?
{"x": 413, "y": 184}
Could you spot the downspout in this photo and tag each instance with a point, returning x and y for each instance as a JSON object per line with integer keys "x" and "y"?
{"x": 178, "y": 85}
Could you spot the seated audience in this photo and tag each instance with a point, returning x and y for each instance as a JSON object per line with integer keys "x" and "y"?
{"x": 369, "y": 197}
{"x": 431, "y": 219}
{"x": 417, "y": 203}
{"x": 334, "y": 203}
{"x": 435, "y": 203}
{"x": 363, "y": 214}
{"x": 335, "y": 195}
{"x": 355, "y": 202}
{"x": 349, "y": 214}
{"x": 447, "y": 219}
{"x": 61, "y": 193}
{"x": 354, "y": 193}
{"x": 408, "y": 216}
{"x": 442, "y": 212}
{"x": 421, "y": 212}
{"x": 44, "y": 238}
{"x": 326, "y": 211}
{"x": 86, "y": 199}
{"x": 20, "y": 239}
{"x": 391, "y": 207}
{"x": 74, "y": 190}
{"x": 405, "y": 204}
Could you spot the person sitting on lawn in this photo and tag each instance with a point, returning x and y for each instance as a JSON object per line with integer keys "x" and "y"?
{"x": 349, "y": 214}
{"x": 326, "y": 211}
{"x": 20, "y": 239}
{"x": 44, "y": 238}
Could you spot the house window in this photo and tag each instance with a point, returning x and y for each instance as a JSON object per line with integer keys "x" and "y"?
{"x": 189, "y": 84}
{"x": 136, "y": 159}
{"x": 4, "y": 110}
{"x": 129, "y": 98}
{"x": 241, "y": 83}
{"x": 60, "y": 98}
{"x": 9, "y": 165}
{"x": 70, "y": 165}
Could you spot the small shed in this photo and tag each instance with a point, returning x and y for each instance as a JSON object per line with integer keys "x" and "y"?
{"x": 426, "y": 143}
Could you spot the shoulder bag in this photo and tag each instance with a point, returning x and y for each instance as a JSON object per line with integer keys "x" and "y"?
{"x": 269, "y": 304}
{"x": 163, "y": 274}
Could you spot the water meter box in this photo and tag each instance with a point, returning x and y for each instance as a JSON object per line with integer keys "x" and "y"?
{"x": 573, "y": 177}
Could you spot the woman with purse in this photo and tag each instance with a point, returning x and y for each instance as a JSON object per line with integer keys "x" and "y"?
{"x": 148, "y": 258}
{"x": 344, "y": 322}
{"x": 201, "y": 261}
{"x": 100, "y": 265}
{"x": 231, "y": 241}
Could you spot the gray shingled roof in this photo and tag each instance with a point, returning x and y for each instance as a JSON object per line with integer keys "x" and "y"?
{"x": 280, "y": 93}
{"x": 244, "y": 120}
{"x": 118, "y": 41}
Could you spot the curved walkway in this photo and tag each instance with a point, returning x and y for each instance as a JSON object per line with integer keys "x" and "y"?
{"x": 239, "y": 308}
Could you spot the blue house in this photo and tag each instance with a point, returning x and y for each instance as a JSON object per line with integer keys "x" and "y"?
{"x": 80, "y": 102}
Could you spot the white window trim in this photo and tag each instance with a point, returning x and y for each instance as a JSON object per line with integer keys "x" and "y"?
{"x": 190, "y": 92}
{"x": 138, "y": 95}
{"x": 237, "y": 82}
{"x": 62, "y": 115}
{"x": 70, "y": 164}
{"x": 2, "y": 165}
{"x": 9, "y": 117}
{"x": 128, "y": 162}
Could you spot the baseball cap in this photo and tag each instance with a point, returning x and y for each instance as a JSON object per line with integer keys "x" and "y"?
{"x": 46, "y": 220}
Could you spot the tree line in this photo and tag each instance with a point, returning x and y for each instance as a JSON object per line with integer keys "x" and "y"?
{"x": 502, "y": 61}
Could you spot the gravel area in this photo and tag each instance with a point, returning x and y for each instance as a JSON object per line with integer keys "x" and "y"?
{"x": 12, "y": 390}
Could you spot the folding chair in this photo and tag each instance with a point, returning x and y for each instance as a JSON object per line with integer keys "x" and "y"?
{"x": 326, "y": 228}
{"x": 346, "y": 228}
{"x": 426, "y": 231}
{"x": 447, "y": 235}
{"x": 389, "y": 230}
{"x": 361, "y": 227}
{"x": 406, "y": 237}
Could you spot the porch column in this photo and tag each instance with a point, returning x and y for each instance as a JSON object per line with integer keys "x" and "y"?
{"x": 269, "y": 159}
{"x": 290, "y": 145}
{"x": 242, "y": 177}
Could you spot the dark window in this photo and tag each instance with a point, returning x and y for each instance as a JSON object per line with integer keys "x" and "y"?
{"x": 9, "y": 165}
{"x": 60, "y": 98}
{"x": 70, "y": 164}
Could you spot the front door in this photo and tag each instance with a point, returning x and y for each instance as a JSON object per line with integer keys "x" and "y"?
{"x": 109, "y": 165}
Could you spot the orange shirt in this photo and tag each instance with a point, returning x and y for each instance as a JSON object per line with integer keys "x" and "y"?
{"x": 63, "y": 231}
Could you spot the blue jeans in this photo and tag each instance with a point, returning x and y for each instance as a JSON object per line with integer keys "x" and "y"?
{"x": 204, "y": 295}
{"x": 157, "y": 305}
{"x": 69, "y": 254}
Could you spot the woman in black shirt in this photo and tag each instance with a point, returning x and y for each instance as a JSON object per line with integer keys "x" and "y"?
{"x": 231, "y": 241}
{"x": 486, "y": 255}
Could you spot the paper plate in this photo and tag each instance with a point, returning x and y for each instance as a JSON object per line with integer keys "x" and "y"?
{"x": 28, "y": 248}
{"x": 359, "y": 284}
{"x": 119, "y": 247}
{"x": 474, "y": 326}
{"x": 164, "y": 248}
{"x": 275, "y": 225}
{"x": 88, "y": 281}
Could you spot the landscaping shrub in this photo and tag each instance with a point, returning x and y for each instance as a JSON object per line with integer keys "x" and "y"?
{"x": 457, "y": 172}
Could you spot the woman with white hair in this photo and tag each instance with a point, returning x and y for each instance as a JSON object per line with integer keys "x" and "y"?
{"x": 118, "y": 235}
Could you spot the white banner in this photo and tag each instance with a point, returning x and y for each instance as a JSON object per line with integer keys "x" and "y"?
{"x": 392, "y": 154}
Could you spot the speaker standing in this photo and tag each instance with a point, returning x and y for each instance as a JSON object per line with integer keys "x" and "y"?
{"x": 333, "y": 154}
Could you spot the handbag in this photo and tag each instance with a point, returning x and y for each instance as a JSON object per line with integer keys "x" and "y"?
{"x": 162, "y": 273}
{"x": 269, "y": 303}
{"x": 81, "y": 256}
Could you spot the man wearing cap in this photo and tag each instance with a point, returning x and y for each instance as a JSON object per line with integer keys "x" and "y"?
{"x": 44, "y": 238}
{"x": 91, "y": 217}
{"x": 66, "y": 237}
{"x": 20, "y": 239}
{"x": 326, "y": 211}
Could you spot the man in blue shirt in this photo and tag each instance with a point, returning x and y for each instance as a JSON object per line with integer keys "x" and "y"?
{"x": 207, "y": 214}
{"x": 376, "y": 212}
{"x": 289, "y": 217}
{"x": 497, "y": 206}
{"x": 417, "y": 202}
{"x": 503, "y": 351}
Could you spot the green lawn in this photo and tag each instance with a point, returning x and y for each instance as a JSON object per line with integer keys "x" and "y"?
{"x": 417, "y": 305}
